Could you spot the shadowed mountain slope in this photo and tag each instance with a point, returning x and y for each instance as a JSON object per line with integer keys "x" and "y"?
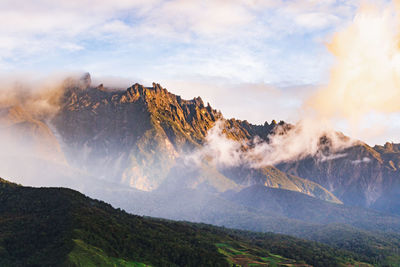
{"x": 362, "y": 176}
{"x": 298, "y": 206}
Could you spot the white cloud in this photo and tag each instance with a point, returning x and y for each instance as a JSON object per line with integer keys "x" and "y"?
{"x": 363, "y": 160}
{"x": 284, "y": 145}
{"x": 50, "y": 23}
{"x": 316, "y": 20}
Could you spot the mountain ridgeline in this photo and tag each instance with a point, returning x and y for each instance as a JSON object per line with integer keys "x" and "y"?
{"x": 136, "y": 136}
{"x": 142, "y": 129}
{"x": 139, "y": 135}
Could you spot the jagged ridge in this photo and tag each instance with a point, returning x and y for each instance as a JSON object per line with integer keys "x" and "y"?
{"x": 145, "y": 130}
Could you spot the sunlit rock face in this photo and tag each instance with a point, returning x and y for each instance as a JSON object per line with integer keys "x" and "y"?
{"x": 133, "y": 136}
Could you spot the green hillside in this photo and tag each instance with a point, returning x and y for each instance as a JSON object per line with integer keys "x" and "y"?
{"x": 61, "y": 227}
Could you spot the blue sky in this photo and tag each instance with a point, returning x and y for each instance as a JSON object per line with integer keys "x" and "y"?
{"x": 253, "y": 59}
{"x": 250, "y": 41}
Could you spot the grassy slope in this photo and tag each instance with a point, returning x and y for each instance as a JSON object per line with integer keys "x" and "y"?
{"x": 89, "y": 256}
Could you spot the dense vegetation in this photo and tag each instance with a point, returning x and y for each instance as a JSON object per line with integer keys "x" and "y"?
{"x": 55, "y": 226}
{"x": 372, "y": 235}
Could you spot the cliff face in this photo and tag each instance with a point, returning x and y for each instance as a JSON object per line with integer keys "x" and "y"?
{"x": 135, "y": 135}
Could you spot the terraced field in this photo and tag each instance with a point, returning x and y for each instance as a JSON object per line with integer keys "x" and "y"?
{"x": 239, "y": 254}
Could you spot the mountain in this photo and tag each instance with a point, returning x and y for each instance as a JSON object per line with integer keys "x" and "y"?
{"x": 272, "y": 177}
{"x": 362, "y": 176}
{"x": 142, "y": 135}
{"x": 61, "y": 227}
{"x": 135, "y": 134}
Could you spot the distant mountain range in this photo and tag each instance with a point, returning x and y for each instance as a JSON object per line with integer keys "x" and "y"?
{"x": 138, "y": 135}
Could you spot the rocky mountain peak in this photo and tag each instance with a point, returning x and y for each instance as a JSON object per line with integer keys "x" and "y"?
{"x": 86, "y": 80}
{"x": 102, "y": 88}
{"x": 391, "y": 147}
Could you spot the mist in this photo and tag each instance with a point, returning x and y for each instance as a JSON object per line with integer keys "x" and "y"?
{"x": 286, "y": 143}
{"x": 31, "y": 148}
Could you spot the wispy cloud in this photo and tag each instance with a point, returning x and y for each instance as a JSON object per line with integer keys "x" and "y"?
{"x": 284, "y": 145}
{"x": 227, "y": 38}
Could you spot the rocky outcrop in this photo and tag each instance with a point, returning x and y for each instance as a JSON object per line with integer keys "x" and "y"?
{"x": 133, "y": 136}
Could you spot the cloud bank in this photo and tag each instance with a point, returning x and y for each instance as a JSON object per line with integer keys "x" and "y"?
{"x": 365, "y": 78}
{"x": 285, "y": 144}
